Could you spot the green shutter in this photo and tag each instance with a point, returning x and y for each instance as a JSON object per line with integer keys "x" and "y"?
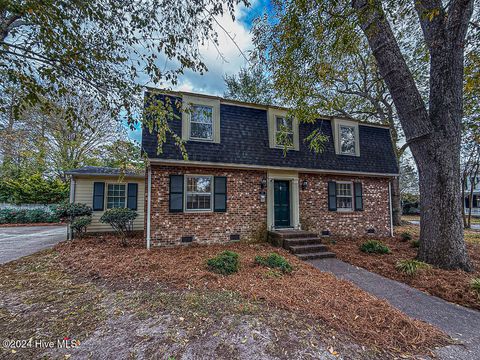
{"x": 132, "y": 195}
{"x": 176, "y": 193}
{"x": 220, "y": 194}
{"x": 358, "y": 196}
{"x": 98, "y": 196}
{"x": 332, "y": 196}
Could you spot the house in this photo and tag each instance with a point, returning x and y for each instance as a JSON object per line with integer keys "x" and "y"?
{"x": 237, "y": 183}
{"x": 104, "y": 188}
{"x": 475, "y": 195}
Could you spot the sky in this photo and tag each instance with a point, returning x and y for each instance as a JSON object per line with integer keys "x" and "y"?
{"x": 212, "y": 82}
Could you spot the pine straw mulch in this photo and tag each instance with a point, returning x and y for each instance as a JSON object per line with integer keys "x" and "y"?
{"x": 339, "y": 304}
{"x": 451, "y": 285}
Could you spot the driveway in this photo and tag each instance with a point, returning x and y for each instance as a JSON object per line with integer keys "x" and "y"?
{"x": 16, "y": 242}
{"x": 459, "y": 322}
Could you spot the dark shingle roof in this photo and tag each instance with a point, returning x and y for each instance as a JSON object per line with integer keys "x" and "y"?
{"x": 103, "y": 170}
{"x": 244, "y": 140}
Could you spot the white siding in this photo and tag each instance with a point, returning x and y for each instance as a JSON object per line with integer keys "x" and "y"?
{"x": 84, "y": 194}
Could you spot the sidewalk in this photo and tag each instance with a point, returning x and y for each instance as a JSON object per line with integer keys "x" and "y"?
{"x": 457, "y": 321}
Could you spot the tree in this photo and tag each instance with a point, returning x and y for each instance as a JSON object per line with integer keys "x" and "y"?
{"x": 250, "y": 85}
{"x": 103, "y": 49}
{"x": 123, "y": 154}
{"x": 306, "y": 37}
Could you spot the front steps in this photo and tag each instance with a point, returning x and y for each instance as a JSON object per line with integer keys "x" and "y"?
{"x": 305, "y": 245}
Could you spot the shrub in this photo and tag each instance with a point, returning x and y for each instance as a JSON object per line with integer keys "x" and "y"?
{"x": 415, "y": 243}
{"x": 374, "y": 247}
{"x": 273, "y": 261}
{"x": 406, "y": 236}
{"x": 475, "y": 285}
{"x": 410, "y": 267}
{"x": 225, "y": 263}
{"x": 79, "y": 225}
{"x": 70, "y": 212}
{"x": 26, "y": 216}
{"x": 121, "y": 221}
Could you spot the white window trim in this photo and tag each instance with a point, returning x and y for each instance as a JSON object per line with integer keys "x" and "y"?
{"x": 212, "y": 192}
{"x": 272, "y": 115}
{"x": 336, "y": 124}
{"x": 187, "y": 102}
{"x": 106, "y": 194}
{"x": 352, "y": 196}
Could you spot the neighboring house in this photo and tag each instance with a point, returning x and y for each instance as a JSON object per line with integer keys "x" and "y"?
{"x": 238, "y": 184}
{"x": 475, "y": 197}
{"x": 104, "y": 188}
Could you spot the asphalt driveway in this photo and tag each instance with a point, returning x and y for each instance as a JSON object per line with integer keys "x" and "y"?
{"x": 16, "y": 242}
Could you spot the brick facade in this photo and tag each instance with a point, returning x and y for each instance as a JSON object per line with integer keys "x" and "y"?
{"x": 315, "y": 216}
{"x": 247, "y": 216}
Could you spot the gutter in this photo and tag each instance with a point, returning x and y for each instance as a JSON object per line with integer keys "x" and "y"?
{"x": 149, "y": 203}
{"x": 72, "y": 200}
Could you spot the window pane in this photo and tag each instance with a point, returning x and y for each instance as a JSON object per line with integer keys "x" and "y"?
{"x": 202, "y": 114}
{"x": 198, "y": 202}
{"x": 199, "y": 184}
{"x": 344, "y": 189}
{"x": 284, "y": 123}
{"x": 115, "y": 196}
{"x": 344, "y": 203}
{"x": 347, "y": 139}
{"x": 201, "y": 130}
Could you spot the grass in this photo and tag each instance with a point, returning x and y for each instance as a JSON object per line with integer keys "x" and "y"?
{"x": 374, "y": 247}
{"x": 411, "y": 267}
{"x": 474, "y": 220}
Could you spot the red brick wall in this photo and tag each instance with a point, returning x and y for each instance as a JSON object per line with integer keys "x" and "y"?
{"x": 314, "y": 214}
{"x": 246, "y": 214}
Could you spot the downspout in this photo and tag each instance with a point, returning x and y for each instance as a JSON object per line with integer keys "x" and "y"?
{"x": 72, "y": 200}
{"x": 149, "y": 202}
{"x": 390, "y": 206}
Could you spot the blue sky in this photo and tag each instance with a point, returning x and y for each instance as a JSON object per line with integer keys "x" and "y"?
{"x": 212, "y": 82}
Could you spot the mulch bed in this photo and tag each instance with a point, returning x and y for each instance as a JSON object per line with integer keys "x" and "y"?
{"x": 339, "y": 304}
{"x": 32, "y": 224}
{"x": 451, "y": 285}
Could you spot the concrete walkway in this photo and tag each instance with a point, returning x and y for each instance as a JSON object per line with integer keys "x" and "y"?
{"x": 457, "y": 321}
{"x": 16, "y": 242}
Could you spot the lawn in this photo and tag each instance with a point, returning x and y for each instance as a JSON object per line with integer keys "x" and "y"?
{"x": 166, "y": 302}
{"x": 475, "y": 220}
{"x": 453, "y": 286}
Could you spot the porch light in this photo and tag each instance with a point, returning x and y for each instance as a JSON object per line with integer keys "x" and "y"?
{"x": 304, "y": 184}
{"x": 263, "y": 183}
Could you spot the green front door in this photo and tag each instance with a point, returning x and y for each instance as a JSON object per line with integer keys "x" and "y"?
{"x": 281, "y": 201}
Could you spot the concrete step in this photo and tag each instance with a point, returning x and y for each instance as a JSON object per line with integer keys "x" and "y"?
{"x": 287, "y": 243}
{"x": 316, "y": 255}
{"x": 292, "y": 234}
{"x": 311, "y": 248}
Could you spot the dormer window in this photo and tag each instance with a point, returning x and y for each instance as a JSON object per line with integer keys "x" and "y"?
{"x": 201, "y": 122}
{"x": 200, "y": 119}
{"x": 347, "y": 140}
{"x": 346, "y": 137}
{"x": 283, "y": 131}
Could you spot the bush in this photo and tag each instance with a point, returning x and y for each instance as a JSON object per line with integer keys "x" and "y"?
{"x": 273, "y": 261}
{"x": 79, "y": 225}
{"x": 33, "y": 189}
{"x": 410, "y": 267}
{"x": 121, "y": 221}
{"x": 406, "y": 236}
{"x": 26, "y": 216}
{"x": 374, "y": 247}
{"x": 225, "y": 263}
{"x": 475, "y": 285}
{"x": 69, "y": 211}
{"x": 415, "y": 243}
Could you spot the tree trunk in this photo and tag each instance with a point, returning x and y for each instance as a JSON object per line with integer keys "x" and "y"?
{"x": 396, "y": 202}
{"x": 434, "y": 135}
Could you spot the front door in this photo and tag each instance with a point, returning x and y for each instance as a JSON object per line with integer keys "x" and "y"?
{"x": 281, "y": 197}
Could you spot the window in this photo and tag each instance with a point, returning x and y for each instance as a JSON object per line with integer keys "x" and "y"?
{"x": 347, "y": 140}
{"x": 199, "y": 193}
{"x": 115, "y": 196}
{"x": 201, "y": 122}
{"x": 344, "y": 196}
{"x": 283, "y": 131}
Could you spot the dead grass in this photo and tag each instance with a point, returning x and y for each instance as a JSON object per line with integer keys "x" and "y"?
{"x": 307, "y": 291}
{"x": 453, "y": 286}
